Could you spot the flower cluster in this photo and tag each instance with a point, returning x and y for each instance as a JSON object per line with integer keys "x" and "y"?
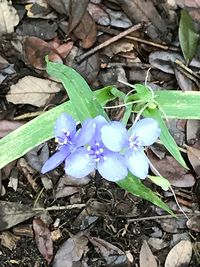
{"x": 102, "y": 145}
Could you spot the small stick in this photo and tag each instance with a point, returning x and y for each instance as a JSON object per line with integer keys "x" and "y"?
{"x": 108, "y": 42}
{"x": 140, "y": 40}
{"x": 67, "y": 207}
{"x": 160, "y": 217}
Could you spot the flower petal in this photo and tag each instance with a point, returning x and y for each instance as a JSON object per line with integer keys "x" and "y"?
{"x": 86, "y": 133}
{"x": 100, "y": 122}
{"x": 55, "y": 160}
{"x": 137, "y": 163}
{"x": 65, "y": 123}
{"x": 79, "y": 163}
{"x": 147, "y": 131}
{"x": 114, "y": 136}
{"x": 113, "y": 168}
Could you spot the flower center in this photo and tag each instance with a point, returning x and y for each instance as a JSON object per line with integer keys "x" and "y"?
{"x": 134, "y": 142}
{"x": 97, "y": 152}
{"x": 64, "y": 138}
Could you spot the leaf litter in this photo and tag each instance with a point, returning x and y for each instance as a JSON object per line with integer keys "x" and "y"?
{"x": 66, "y": 30}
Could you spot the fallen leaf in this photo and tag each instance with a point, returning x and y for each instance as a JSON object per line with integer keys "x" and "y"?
{"x": 86, "y": 31}
{"x": 8, "y": 17}
{"x": 61, "y": 6}
{"x": 117, "y": 47}
{"x": 13, "y": 213}
{"x": 7, "y": 127}
{"x": 180, "y": 255}
{"x": 71, "y": 251}
{"x": 146, "y": 256}
{"x": 112, "y": 254}
{"x": 35, "y": 50}
{"x": 32, "y": 90}
{"x": 194, "y": 223}
{"x": 9, "y": 240}
{"x": 38, "y": 28}
{"x": 194, "y": 158}
{"x": 6, "y": 69}
{"x": 98, "y": 14}
{"x": 119, "y": 19}
{"x": 174, "y": 173}
{"x": 43, "y": 239}
{"x": 144, "y": 10}
{"x": 77, "y": 10}
{"x": 157, "y": 243}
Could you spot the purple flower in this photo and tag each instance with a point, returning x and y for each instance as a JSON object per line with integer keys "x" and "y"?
{"x": 84, "y": 160}
{"x": 131, "y": 143}
{"x": 69, "y": 140}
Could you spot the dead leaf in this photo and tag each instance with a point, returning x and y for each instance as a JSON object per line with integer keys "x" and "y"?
{"x": 175, "y": 173}
{"x": 38, "y": 28}
{"x": 7, "y": 127}
{"x": 76, "y": 12}
{"x": 119, "y": 19}
{"x": 119, "y": 46}
{"x": 194, "y": 158}
{"x": 9, "y": 240}
{"x": 98, "y": 14}
{"x": 86, "y": 31}
{"x": 32, "y": 90}
{"x": 89, "y": 68}
{"x": 8, "y": 17}
{"x": 13, "y": 213}
{"x": 43, "y": 239}
{"x": 145, "y": 11}
{"x": 35, "y": 50}
{"x": 194, "y": 223}
{"x": 146, "y": 256}
{"x": 157, "y": 243}
{"x": 6, "y": 69}
{"x": 179, "y": 255}
{"x": 71, "y": 252}
{"x": 112, "y": 254}
{"x": 61, "y": 6}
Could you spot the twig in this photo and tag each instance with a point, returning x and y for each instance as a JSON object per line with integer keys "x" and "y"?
{"x": 159, "y": 217}
{"x": 67, "y": 207}
{"x": 140, "y": 40}
{"x": 108, "y": 42}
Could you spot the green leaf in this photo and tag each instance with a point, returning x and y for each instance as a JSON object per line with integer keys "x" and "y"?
{"x": 134, "y": 185}
{"x": 188, "y": 37}
{"x": 40, "y": 129}
{"x": 165, "y": 136}
{"x": 160, "y": 181}
{"x": 84, "y": 101}
{"x": 180, "y": 105}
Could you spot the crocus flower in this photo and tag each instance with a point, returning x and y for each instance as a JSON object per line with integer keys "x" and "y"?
{"x": 131, "y": 143}
{"x": 68, "y": 140}
{"x": 96, "y": 156}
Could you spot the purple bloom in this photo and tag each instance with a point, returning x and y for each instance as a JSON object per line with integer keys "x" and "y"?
{"x": 131, "y": 143}
{"x": 69, "y": 140}
{"x": 84, "y": 160}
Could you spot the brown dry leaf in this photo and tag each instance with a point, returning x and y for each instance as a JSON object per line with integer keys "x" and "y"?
{"x": 180, "y": 255}
{"x": 9, "y": 240}
{"x": 8, "y": 17}
{"x": 61, "y": 6}
{"x": 145, "y": 11}
{"x": 13, "y": 213}
{"x": 119, "y": 46}
{"x": 174, "y": 172}
{"x": 194, "y": 223}
{"x": 35, "y": 50}
{"x": 146, "y": 256}
{"x": 112, "y": 254}
{"x": 118, "y": 19}
{"x": 98, "y": 14}
{"x": 194, "y": 158}
{"x": 33, "y": 90}
{"x": 71, "y": 252}
{"x": 8, "y": 126}
{"x": 86, "y": 31}
{"x": 76, "y": 12}
{"x": 43, "y": 239}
